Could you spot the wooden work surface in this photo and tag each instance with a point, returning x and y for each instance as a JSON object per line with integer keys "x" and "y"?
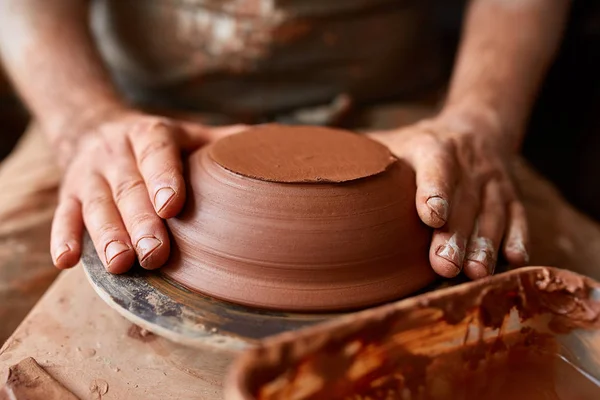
{"x": 85, "y": 345}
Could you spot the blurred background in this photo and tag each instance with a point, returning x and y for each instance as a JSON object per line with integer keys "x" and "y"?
{"x": 563, "y": 141}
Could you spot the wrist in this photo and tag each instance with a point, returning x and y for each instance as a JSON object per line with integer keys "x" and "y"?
{"x": 65, "y": 129}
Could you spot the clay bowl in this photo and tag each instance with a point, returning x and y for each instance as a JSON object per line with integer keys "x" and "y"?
{"x": 299, "y": 219}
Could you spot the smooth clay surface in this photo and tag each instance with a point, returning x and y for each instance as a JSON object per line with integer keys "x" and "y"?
{"x": 299, "y": 219}
{"x": 301, "y": 154}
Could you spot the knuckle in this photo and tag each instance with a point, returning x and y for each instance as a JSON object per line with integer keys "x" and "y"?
{"x": 142, "y": 220}
{"x": 126, "y": 188}
{"x": 169, "y": 173}
{"x": 435, "y": 154}
{"x": 147, "y": 125}
{"x": 93, "y": 142}
{"x": 102, "y": 143}
{"x": 160, "y": 124}
{"x": 443, "y": 153}
{"x": 108, "y": 231}
{"x": 69, "y": 187}
{"x": 151, "y": 149}
{"x": 67, "y": 204}
{"x": 110, "y": 142}
{"x": 96, "y": 203}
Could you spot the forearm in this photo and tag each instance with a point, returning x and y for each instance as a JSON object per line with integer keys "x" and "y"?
{"x": 48, "y": 51}
{"x": 506, "y": 48}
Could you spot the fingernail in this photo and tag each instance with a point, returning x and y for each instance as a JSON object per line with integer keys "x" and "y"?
{"x": 481, "y": 250}
{"x": 61, "y": 251}
{"x": 146, "y": 245}
{"x": 162, "y": 198}
{"x": 439, "y": 206}
{"x": 114, "y": 249}
{"x": 452, "y": 251}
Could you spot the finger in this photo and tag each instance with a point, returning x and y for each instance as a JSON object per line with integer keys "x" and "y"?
{"x": 159, "y": 162}
{"x": 146, "y": 229}
{"x": 448, "y": 244}
{"x": 436, "y": 169}
{"x": 105, "y": 226}
{"x": 66, "y": 232}
{"x": 516, "y": 243}
{"x": 482, "y": 250}
{"x": 195, "y": 135}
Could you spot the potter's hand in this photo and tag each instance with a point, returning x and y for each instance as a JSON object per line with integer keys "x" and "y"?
{"x": 465, "y": 191}
{"x": 124, "y": 175}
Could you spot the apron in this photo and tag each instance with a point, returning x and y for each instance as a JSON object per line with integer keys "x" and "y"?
{"x": 258, "y": 58}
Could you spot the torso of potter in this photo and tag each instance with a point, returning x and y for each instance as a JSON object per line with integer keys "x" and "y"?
{"x": 264, "y": 57}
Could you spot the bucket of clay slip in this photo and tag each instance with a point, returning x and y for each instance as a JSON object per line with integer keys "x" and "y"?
{"x": 532, "y": 333}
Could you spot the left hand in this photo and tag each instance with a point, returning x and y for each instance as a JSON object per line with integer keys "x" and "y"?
{"x": 465, "y": 191}
{"x": 123, "y": 175}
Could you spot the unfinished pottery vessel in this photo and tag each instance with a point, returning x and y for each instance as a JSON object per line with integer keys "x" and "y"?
{"x": 299, "y": 219}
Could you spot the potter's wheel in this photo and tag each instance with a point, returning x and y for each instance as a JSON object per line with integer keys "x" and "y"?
{"x": 344, "y": 205}
{"x": 167, "y": 309}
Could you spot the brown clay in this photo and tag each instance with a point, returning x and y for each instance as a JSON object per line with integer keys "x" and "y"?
{"x": 301, "y": 154}
{"x": 313, "y": 245}
{"x": 498, "y": 338}
{"x": 511, "y": 368}
{"x": 28, "y": 381}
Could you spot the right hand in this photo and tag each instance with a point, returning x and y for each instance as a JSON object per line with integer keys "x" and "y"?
{"x": 123, "y": 176}
{"x": 465, "y": 191}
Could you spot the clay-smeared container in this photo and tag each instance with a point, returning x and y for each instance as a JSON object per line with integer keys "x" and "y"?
{"x": 299, "y": 219}
{"x": 528, "y": 334}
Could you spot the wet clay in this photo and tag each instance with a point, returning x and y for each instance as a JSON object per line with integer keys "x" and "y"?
{"x": 525, "y": 366}
{"x": 28, "y": 381}
{"x": 519, "y": 373}
{"x": 497, "y": 338}
{"x": 278, "y": 153}
{"x": 310, "y": 227}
